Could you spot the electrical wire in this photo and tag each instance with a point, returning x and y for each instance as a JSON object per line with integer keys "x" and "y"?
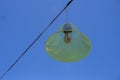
{"x": 35, "y": 40}
{"x": 67, "y": 21}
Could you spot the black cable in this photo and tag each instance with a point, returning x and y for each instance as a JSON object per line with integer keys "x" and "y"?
{"x": 33, "y": 42}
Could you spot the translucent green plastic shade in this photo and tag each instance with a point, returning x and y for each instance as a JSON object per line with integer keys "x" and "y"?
{"x": 68, "y": 44}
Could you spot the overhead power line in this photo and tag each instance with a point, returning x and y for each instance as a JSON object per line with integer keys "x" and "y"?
{"x": 35, "y": 40}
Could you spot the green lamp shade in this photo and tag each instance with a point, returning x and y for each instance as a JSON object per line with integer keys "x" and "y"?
{"x": 68, "y": 44}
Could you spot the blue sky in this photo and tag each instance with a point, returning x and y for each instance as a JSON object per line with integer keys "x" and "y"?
{"x": 22, "y": 20}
